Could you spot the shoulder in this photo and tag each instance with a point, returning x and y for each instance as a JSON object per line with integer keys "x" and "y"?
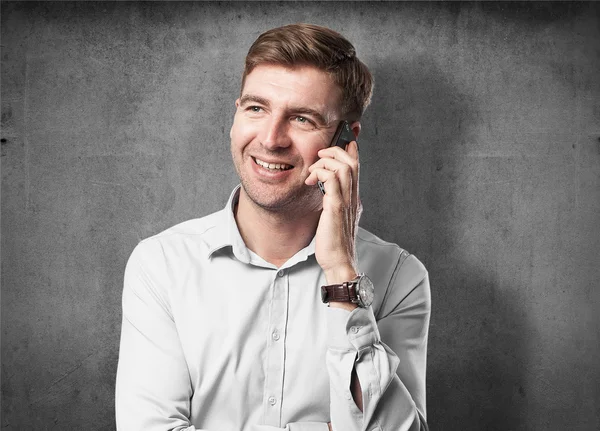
{"x": 197, "y": 227}
{"x": 383, "y": 254}
{"x": 396, "y": 273}
{"x": 195, "y": 235}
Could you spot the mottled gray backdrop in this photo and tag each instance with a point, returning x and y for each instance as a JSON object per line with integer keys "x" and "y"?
{"x": 480, "y": 154}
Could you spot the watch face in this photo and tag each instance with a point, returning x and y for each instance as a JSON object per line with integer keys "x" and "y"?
{"x": 366, "y": 291}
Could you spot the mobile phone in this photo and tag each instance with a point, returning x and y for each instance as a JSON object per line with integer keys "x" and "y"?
{"x": 343, "y": 136}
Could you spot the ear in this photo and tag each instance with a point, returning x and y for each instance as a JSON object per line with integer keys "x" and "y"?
{"x": 355, "y": 127}
{"x": 237, "y": 102}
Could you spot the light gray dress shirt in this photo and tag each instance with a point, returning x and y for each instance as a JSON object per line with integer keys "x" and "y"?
{"x": 216, "y": 338}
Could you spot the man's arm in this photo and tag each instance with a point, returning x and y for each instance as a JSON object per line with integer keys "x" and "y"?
{"x": 389, "y": 357}
{"x": 355, "y": 343}
{"x": 153, "y": 386}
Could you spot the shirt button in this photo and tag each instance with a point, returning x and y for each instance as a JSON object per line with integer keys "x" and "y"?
{"x": 355, "y": 329}
{"x": 272, "y": 401}
{"x": 275, "y": 335}
{"x": 281, "y": 273}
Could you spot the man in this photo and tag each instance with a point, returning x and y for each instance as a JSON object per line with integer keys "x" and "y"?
{"x": 224, "y": 325}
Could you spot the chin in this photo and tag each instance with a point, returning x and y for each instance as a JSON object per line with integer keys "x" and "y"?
{"x": 300, "y": 201}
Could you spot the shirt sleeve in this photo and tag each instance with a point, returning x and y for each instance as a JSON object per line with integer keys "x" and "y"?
{"x": 389, "y": 354}
{"x": 153, "y": 386}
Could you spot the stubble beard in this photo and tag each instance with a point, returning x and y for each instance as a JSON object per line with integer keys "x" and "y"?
{"x": 294, "y": 202}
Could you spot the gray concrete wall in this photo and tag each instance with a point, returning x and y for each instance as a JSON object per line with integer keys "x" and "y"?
{"x": 480, "y": 154}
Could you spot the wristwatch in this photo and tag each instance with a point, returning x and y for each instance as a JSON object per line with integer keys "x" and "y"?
{"x": 359, "y": 291}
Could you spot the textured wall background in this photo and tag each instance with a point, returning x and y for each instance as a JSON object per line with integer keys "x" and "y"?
{"x": 480, "y": 154}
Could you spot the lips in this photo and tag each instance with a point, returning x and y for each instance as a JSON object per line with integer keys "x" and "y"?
{"x": 272, "y": 166}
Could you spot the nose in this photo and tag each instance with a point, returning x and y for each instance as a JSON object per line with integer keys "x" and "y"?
{"x": 275, "y": 134}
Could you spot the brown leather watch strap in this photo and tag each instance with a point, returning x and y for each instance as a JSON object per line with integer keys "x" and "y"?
{"x": 345, "y": 292}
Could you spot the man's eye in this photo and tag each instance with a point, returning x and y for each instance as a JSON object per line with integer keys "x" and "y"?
{"x": 255, "y": 108}
{"x": 303, "y": 120}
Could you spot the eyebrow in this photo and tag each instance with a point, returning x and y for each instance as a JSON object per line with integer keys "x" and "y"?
{"x": 249, "y": 98}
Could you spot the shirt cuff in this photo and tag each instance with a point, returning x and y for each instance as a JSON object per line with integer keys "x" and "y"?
{"x": 355, "y": 330}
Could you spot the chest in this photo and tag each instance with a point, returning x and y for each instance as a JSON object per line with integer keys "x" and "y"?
{"x": 250, "y": 328}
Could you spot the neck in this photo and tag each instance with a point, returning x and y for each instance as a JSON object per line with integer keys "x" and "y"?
{"x": 274, "y": 236}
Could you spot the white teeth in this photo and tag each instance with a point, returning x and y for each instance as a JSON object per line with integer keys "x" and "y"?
{"x": 279, "y": 166}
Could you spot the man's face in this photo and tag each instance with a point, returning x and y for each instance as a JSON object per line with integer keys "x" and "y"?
{"x": 283, "y": 118}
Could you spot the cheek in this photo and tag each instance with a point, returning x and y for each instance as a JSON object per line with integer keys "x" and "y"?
{"x": 243, "y": 131}
{"x": 309, "y": 153}
{"x": 316, "y": 144}
{"x": 237, "y": 134}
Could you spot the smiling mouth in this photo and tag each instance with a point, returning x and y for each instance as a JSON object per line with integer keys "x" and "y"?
{"x": 272, "y": 166}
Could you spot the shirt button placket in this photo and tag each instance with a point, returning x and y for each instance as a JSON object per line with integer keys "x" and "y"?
{"x": 273, "y": 395}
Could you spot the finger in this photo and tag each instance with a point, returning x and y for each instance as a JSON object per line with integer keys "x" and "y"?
{"x": 333, "y": 192}
{"x": 330, "y": 164}
{"x": 349, "y": 157}
{"x": 343, "y": 155}
{"x": 343, "y": 173}
{"x": 352, "y": 151}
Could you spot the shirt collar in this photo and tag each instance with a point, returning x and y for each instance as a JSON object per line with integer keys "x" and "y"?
{"x": 226, "y": 234}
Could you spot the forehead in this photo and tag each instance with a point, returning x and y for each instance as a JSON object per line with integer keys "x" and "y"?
{"x": 306, "y": 86}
